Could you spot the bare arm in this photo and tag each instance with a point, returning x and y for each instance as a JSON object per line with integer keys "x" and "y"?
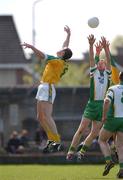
{"x": 91, "y": 41}
{"x": 67, "y": 40}
{"x": 105, "y": 45}
{"x": 98, "y": 47}
{"x": 105, "y": 109}
{"x": 38, "y": 53}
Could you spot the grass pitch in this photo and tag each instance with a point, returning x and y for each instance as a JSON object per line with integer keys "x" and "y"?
{"x": 55, "y": 172}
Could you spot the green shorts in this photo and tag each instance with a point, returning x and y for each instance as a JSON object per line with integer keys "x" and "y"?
{"x": 114, "y": 124}
{"x": 93, "y": 110}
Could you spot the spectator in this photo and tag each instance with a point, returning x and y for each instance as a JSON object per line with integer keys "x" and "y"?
{"x": 13, "y": 143}
{"x": 24, "y": 138}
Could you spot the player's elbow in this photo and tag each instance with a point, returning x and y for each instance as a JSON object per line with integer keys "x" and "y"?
{"x": 106, "y": 102}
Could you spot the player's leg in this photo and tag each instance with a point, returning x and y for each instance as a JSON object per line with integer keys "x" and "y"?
{"x": 96, "y": 125}
{"x": 44, "y": 112}
{"x": 112, "y": 143}
{"x": 94, "y": 112}
{"x": 119, "y": 146}
{"x": 76, "y": 138}
{"x": 104, "y": 136}
{"x": 45, "y": 98}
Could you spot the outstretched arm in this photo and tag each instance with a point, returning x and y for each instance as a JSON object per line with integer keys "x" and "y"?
{"x": 105, "y": 109}
{"x": 105, "y": 45}
{"x": 38, "y": 53}
{"x": 91, "y": 41}
{"x": 98, "y": 47}
{"x": 67, "y": 40}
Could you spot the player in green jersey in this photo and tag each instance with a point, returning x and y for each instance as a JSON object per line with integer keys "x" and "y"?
{"x": 113, "y": 123}
{"x": 100, "y": 73}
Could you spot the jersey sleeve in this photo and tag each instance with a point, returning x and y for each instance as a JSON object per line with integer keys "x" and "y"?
{"x": 109, "y": 73}
{"x": 110, "y": 94}
{"x": 92, "y": 70}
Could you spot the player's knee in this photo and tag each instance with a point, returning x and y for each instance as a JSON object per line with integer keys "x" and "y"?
{"x": 41, "y": 116}
{"x": 80, "y": 130}
{"x": 93, "y": 134}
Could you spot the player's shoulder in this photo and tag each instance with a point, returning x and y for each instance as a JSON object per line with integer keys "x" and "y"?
{"x": 113, "y": 87}
{"x": 108, "y": 72}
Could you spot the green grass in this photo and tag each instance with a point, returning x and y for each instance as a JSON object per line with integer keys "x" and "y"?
{"x": 55, "y": 172}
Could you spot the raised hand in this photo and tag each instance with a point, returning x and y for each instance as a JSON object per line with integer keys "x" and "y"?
{"x": 105, "y": 44}
{"x": 67, "y": 29}
{"x": 91, "y": 39}
{"x": 67, "y": 40}
{"x": 98, "y": 48}
{"x": 38, "y": 53}
{"x": 26, "y": 45}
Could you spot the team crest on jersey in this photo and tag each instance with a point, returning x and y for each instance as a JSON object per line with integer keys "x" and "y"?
{"x": 101, "y": 78}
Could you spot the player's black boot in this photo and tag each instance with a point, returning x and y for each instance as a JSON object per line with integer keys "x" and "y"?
{"x": 80, "y": 155}
{"x": 108, "y": 167}
{"x": 46, "y": 149}
{"x": 79, "y": 147}
{"x": 56, "y": 147}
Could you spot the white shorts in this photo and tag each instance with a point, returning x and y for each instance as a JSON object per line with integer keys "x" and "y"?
{"x": 46, "y": 92}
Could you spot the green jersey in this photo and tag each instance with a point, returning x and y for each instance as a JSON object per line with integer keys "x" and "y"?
{"x": 115, "y": 95}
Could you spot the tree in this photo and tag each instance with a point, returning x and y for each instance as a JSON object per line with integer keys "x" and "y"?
{"x": 77, "y": 75}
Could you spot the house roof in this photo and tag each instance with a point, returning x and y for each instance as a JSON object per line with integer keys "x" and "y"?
{"x": 10, "y": 49}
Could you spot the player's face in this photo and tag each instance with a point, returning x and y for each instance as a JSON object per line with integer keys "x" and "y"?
{"x": 101, "y": 65}
{"x": 60, "y": 53}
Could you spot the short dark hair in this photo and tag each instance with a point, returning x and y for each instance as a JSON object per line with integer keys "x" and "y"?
{"x": 121, "y": 76}
{"x": 67, "y": 53}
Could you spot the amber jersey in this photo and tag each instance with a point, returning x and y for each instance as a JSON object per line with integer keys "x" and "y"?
{"x": 54, "y": 68}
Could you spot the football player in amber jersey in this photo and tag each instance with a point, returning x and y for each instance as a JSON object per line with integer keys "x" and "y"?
{"x": 54, "y": 68}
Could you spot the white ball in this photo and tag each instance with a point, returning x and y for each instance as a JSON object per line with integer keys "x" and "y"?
{"x": 93, "y": 22}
